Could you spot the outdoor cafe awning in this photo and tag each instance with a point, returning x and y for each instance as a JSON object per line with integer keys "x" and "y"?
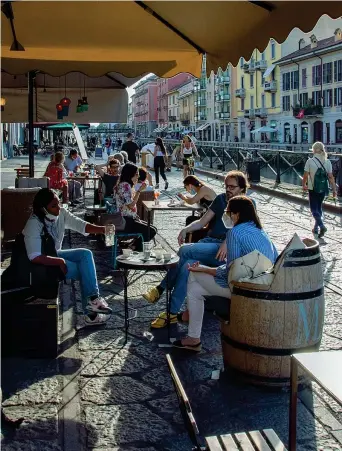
{"x": 265, "y": 129}
{"x": 58, "y": 37}
{"x": 269, "y": 70}
{"x": 160, "y": 129}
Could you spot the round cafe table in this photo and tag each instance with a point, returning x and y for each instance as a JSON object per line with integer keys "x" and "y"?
{"x": 136, "y": 262}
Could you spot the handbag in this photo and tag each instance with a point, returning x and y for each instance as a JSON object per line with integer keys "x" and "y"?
{"x": 43, "y": 280}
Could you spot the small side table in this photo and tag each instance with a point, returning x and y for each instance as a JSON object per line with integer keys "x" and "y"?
{"x": 136, "y": 262}
{"x": 325, "y": 368}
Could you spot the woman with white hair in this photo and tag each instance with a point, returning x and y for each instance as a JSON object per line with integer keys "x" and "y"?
{"x": 317, "y": 173}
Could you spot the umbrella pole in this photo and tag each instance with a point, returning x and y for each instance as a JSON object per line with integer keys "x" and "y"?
{"x": 31, "y": 76}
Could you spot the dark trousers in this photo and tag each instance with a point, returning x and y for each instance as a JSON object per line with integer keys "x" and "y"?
{"x": 159, "y": 165}
{"x": 316, "y": 201}
{"x": 138, "y": 226}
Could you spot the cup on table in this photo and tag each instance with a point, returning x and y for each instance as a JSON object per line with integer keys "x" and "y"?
{"x": 126, "y": 252}
{"x": 156, "y": 197}
{"x": 147, "y": 248}
{"x": 110, "y": 233}
{"x": 158, "y": 253}
{"x": 167, "y": 256}
{"x": 71, "y": 174}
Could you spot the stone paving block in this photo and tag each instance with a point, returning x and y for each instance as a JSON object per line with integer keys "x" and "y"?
{"x": 159, "y": 378}
{"x": 30, "y": 445}
{"x": 104, "y": 339}
{"x": 114, "y": 390}
{"x": 327, "y": 444}
{"x": 331, "y": 403}
{"x": 327, "y": 419}
{"x": 329, "y": 343}
{"x": 39, "y": 423}
{"x": 168, "y": 408}
{"x": 211, "y": 341}
{"x": 124, "y": 424}
{"x": 150, "y": 352}
{"x": 105, "y": 363}
{"x": 338, "y": 436}
{"x": 47, "y": 390}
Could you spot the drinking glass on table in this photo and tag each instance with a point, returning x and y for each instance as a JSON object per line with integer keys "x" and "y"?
{"x": 147, "y": 248}
{"x": 110, "y": 233}
{"x": 156, "y": 197}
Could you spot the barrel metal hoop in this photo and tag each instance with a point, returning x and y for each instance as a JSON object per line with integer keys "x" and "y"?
{"x": 266, "y": 351}
{"x": 307, "y": 252}
{"x": 300, "y": 263}
{"x": 269, "y": 296}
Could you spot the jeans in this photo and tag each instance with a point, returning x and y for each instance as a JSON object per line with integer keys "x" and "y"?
{"x": 316, "y": 201}
{"x": 81, "y": 267}
{"x": 205, "y": 252}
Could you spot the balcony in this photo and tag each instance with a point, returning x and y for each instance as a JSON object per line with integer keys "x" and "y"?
{"x": 222, "y": 97}
{"x": 261, "y": 65}
{"x": 308, "y": 110}
{"x": 223, "y": 80}
{"x": 261, "y": 112}
{"x": 201, "y": 117}
{"x": 224, "y": 115}
{"x": 172, "y": 118}
{"x": 217, "y": 115}
{"x": 200, "y": 102}
{"x": 249, "y": 67}
{"x": 250, "y": 113}
{"x": 270, "y": 86}
{"x": 200, "y": 86}
{"x": 241, "y": 93}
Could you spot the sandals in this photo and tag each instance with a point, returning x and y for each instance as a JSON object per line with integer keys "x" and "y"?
{"x": 196, "y": 348}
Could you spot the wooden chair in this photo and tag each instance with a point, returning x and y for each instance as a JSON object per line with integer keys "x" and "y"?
{"x": 32, "y": 182}
{"x": 265, "y": 440}
{"x": 144, "y": 196}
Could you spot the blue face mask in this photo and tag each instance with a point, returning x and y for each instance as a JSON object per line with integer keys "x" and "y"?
{"x": 193, "y": 191}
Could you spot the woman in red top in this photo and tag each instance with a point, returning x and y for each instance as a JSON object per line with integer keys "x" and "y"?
{"x": 57, "y": 174}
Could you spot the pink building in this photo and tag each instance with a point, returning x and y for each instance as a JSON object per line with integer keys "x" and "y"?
{"x": 144, "y": 106}
{"x": 164, "y": 85}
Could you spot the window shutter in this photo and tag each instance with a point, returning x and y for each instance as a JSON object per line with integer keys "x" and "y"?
{"x": 313, "y": 76}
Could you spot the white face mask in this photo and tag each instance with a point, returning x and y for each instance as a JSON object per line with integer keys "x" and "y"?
{"x": 49, "y": 216}
{"x": 227, "y": 221}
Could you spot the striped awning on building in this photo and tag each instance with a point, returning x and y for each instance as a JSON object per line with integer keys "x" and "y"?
{"x": 160, "y": 129}
{"x": 203, "y": 127}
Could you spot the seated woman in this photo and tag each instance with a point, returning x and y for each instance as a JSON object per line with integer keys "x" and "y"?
{"x": 125, "y": 200}
{"x": 245, "y": 236}
{"x": 144, "y": 177}
{"x": 201, "y": 194}
{"x": 57, "y": 175}
{"x": 76, "y": 264}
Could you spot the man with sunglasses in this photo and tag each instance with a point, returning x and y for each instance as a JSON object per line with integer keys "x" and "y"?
{"x": 210, "y": 251}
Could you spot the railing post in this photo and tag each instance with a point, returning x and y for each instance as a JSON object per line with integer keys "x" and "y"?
{"x": 238, "y": 159}
{"x": 278, "y": 167}
{"x": 211, "y": 157}
{"x": 223, "y": 160}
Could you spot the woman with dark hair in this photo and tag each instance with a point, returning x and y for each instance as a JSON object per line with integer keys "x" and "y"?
{"x": 244, "y": 235}
{"x": 160, "y": 157}
{"x": 78, "y": 264}
{"x": 188, "y": 149}
{"x": 125, "y": 200}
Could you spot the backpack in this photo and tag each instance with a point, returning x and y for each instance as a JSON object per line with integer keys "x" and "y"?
{"x": 320, "y": 183}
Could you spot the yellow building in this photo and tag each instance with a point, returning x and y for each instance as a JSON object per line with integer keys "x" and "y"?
{"x": 257, "y": 94}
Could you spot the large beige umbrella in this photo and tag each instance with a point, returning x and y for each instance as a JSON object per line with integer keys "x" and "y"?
{"x": 135, "y": 37}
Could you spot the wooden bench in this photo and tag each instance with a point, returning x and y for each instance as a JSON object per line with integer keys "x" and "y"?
{"x": 266, "y": 440}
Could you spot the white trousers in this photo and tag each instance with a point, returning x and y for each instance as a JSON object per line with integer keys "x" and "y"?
{"x": 201, "y": 284}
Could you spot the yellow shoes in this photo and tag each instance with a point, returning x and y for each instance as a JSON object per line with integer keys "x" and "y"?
{"x": 161, "y": 321}
{"x": 152, "y": 295}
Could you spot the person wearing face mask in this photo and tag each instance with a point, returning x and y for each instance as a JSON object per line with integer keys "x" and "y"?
{"x": 211, "y": 250}
{"x": 75, "y": 264}
{"x": 201, "y": 194}
{"x": 245, "y": 236}
{"x": 160, "y": 161}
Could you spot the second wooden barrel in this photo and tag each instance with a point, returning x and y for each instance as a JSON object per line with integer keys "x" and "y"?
{"x": 267, "y": 326}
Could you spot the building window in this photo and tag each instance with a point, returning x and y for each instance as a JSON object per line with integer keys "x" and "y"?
{"x": 338, "y": 70}
{"x": 286, "y": 103}
{"x": 243, "y": 130}
{"x": 327, "y": 73}
{"x": 295, "y": 99}
{"x": 263, "y": 101}
{"x": 327, "y": 97}
{"x": 262, "y": 79}
{"x": 241, "y": 62}
{"x": 273, "y": 100}
{"x": 338, "y": 130}
{"x": 304, "y": 78}
{"x": 273, "y": 50}
{"x": 252, "y": 81}
{"x": 316, "y": 98}
{"x": 242, "y": 104}
{"x": 316, "y": 75}
{"x": 286, "y": 81}
{"x": 338, "y": 96}
{"x": 252, "y": 102}
{"x": 242, "y": 82}
{"x": 263, "y": 56}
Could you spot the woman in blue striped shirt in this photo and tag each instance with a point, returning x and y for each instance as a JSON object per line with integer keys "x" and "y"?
{"x": 244, "y": 235}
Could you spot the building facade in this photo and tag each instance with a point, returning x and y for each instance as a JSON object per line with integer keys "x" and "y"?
{"x": 144, "y": 107}
{"x": 186, "y": 101}
{"x": 311, "y": 92}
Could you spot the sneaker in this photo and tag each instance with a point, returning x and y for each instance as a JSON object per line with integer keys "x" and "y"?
{"x": 161, "y": 321}
{"x": 99, "y": 320}
{"x": 166, "y": 185}
{"x": 322, "y": 232}
{"x": 98, "y": 305}
{"x": 156, "y": 186}
{"x": 152, "y": 295}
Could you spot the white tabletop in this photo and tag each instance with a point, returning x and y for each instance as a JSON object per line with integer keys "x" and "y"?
{"x": 326, "y": 369}
{"x": 164, "y": 205}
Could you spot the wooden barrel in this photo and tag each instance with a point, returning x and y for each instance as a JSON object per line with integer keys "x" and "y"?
{"x": 268, "y": 325}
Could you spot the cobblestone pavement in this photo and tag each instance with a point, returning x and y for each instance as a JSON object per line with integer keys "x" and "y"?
{"x": 101, "y": 395}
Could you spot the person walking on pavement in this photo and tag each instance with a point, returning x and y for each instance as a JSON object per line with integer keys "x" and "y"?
{"x": 317, "y": 173}
{"x": 131, "y": 148}
{"x": 159, "y": 161}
